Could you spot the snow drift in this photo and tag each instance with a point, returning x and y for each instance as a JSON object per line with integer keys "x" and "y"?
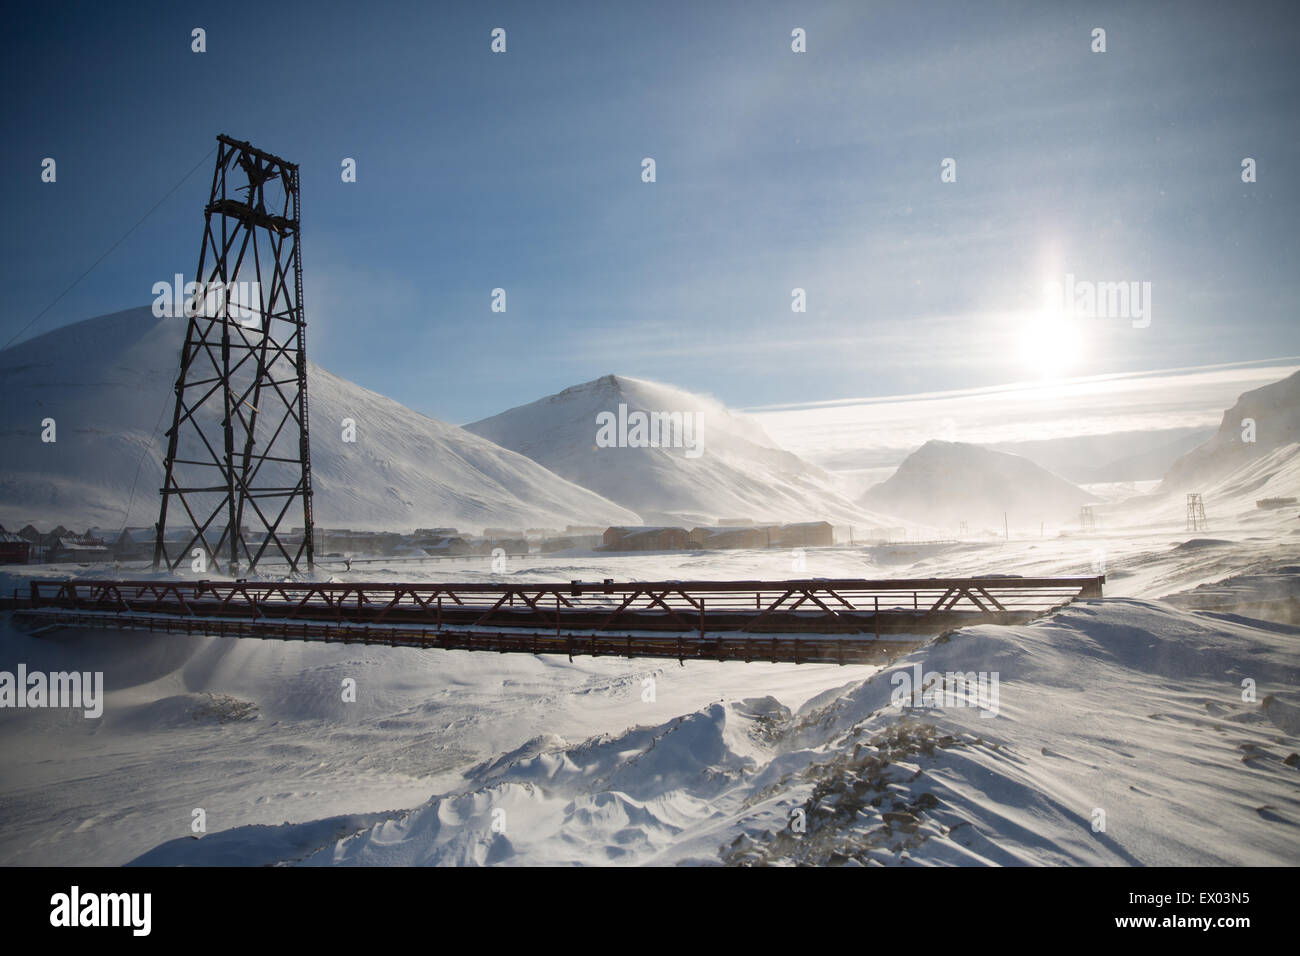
{"x": 1120, "y": 736}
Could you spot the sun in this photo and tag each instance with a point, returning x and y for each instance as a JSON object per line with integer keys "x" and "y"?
{"x": 1049, "y": 343}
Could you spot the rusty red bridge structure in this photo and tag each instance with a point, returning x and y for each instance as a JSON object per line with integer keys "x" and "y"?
{"x": 803, "y": 621}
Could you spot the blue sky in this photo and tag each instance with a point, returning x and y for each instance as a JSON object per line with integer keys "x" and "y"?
{"x": 775, "y": 170}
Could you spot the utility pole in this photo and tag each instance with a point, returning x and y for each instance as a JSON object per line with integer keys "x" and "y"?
{"x": 1087, "y": 520}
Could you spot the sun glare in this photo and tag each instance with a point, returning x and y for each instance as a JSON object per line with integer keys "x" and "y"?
{"x": 1049, "y": 343}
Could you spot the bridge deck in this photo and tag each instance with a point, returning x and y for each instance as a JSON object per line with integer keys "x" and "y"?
{"x": 682, "y": 619}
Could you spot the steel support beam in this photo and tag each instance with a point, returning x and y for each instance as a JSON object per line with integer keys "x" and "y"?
{"x": 238, "y": 459}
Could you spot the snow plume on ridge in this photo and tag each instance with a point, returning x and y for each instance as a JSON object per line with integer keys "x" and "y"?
{"x": 107, "y": 384}
{"x": 945, "y": 483}
{"x": 717, "y": 464}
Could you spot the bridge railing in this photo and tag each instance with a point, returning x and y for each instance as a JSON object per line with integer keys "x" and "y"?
{"x": 798, "y": 604}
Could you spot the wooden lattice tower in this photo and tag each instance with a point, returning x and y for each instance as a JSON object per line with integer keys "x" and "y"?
{"x": 238, "y": 457}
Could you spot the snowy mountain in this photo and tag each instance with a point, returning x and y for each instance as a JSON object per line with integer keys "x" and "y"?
{"x": 944, "y": 483}
{"x": 1229, "y": 473}
{"x": 610, "y": 435}
{"x": 1274, "y": 474}
{"x": 1228, "y": 497}
{"x": 1261, "y": 421}
{"x": 107, "y": 384}
{"x": 1111, "y": 456}
{"x": 1151, "y": 462}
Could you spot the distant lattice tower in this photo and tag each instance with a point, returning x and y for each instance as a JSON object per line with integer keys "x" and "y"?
{"x": 238, "y": 465}
{"x": 1087, "y": 520}
{"x": 962, "y": 530}
{"x": 1195, "y": 512}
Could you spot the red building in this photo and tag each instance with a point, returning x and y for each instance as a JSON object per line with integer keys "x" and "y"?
{"x": 639, "y": 538}
{"x": 13, "y": 549}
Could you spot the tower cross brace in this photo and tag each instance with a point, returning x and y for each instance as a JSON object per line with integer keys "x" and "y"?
{"x": 238, "y": 460}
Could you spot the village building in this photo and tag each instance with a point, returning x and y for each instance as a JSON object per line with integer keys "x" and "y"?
{"x": 805, "y": 534}
{"x": 643, "y": 538}
{"x": 508, "y": 545}
{"x": 78, "y": 548}
{"x": 135, "y": 544}
{"x": 568, "y": 542}
{"x": 14, "y": 549}
{"x": 720, "y": 538}
{"x": 347, "y": 541}
{"x": 454, "y": 546}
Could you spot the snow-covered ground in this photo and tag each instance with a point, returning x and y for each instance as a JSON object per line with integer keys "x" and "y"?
{"x": 178, "y": 732}
{"x": 1160, "y": 724}
{"x": 1126, "y": 713}
{"x": 1131, "y": 705}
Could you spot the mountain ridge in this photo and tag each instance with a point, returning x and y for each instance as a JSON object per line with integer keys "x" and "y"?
{"x": 107, "y": 382}
{"x": 943, "y": 484}
{"x": 739, "y": 473}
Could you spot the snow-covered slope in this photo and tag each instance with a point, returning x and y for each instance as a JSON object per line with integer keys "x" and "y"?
{"x": 1227, "y": 496}
{"x": 256, "y": 732}
{"x": 1117, "y": 733}
{"x": 738, "y": 473}
{"x": 1274, "y": 410}
{"x": 944, "y": 483}
{"x": 1229, "y": 473}
{"x": 107, "y": 383}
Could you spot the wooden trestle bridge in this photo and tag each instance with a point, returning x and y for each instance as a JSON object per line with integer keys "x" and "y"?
{"x": 804, "y": 621}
